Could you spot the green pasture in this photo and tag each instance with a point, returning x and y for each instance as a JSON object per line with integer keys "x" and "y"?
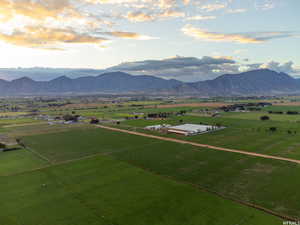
{"x": 102, "y": 191}
{"x": 264, "y": 182}
{"x": 12, "y": 162}
{"x": 7, "y": 122}
{"x": 242, "y": 134}
{"x": 283, "y": 108}
{"x": 257, "y": 115}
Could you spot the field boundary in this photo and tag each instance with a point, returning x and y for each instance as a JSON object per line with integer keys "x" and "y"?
{"x": 201, "y": 145}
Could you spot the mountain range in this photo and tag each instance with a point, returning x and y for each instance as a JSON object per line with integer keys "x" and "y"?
{"x": 256, "y": 82}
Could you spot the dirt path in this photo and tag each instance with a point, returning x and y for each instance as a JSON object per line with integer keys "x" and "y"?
{"x": 201, "y": 104}
{"x": 201, "y": 145}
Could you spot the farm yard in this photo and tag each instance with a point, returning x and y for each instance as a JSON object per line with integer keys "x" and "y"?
{"x": 96, "y": 173}
{"x": 243, "y": 134}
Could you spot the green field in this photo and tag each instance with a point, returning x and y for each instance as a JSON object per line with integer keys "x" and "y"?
{"x": 242, "y": 134}
{"x": 260, "y": 181}
{"x": 282, "y": 108}
{"x": 257, "y": 115}
{"x": 18, "y": 161}
{"x": 107, "y": 192}
{"x": 79, "y": 174}
{"x": 7, "y": 122}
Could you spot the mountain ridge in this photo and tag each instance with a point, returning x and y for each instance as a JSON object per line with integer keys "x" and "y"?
{"x": 256, "y": 82}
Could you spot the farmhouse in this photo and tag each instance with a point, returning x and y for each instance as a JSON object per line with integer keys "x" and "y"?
{"x": 190, "y": 129}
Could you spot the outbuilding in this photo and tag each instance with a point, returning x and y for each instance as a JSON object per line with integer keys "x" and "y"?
{"x": 190, "y": 129}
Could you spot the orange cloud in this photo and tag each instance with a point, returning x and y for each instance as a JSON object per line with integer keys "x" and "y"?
{"x": 213, "y": 7}
{"x": 143, "y": 17}
{"x": 139, "y": 17}
{"x": 219, "y": 37}
{"x": 37, "y": 10}
{"x": 127, "y": 35}
{"x": 48, "y": 38}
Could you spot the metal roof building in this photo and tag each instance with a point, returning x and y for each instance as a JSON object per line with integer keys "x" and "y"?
{"x": 190, "y": 129}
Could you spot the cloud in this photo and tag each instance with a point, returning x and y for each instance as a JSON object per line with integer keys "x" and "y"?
{"x": 139, "y": 16}
{"x": 49, "y": 24}
{"x": 286, "y": 67}
{"x": 48, "y": 38}
{"x": 279, "y": 67}
{"x": 182, "y": 68}
{"x": 195, "y": 69}
{"x": 171, "y": 13}
{"x": 233, "y": 11}
{"x": 264, "y": 4}
{"x": 213, "y": 7}
{"x": 250, "y": 37}
{"x": 38, "y": 10}
{"x": 201, "y": 18}
{"x": 166, "y": 4}
{"x": 127, "y": 35}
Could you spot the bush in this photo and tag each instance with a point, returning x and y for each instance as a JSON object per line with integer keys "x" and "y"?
{"x": 2, "y": 145}
{"x": 292, "y": 113}
{"x": 263, "y": 118}
{"x": 71, "y": 118}
{"x": 94, "y": 121}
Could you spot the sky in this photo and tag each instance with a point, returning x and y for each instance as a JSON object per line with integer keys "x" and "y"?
{"x": 182, "y": 39}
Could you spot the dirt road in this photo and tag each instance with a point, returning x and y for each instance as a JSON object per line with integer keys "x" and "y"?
{"x": 201, "y": 104}
{"x": 201, "y": 145}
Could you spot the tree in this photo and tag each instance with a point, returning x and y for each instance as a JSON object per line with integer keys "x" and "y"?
{"x": 2, "y": 145}
{"x": 69, "y": 117}
{"x": 273, "y": 129}
{"x": 94, "y": 121}
{"x": 218, "y": 124}
{"x": 263, "y": 118}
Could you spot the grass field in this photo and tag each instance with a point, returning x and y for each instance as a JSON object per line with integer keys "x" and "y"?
{"x": 257, "y": 115}
{"x": 2, "y": 114}
{"x": 102, "y": 191}
{"x": 80, "y": 143}
{"x": 260, "y": 181}
{"x": 283, "y": 108}
{"x": 5, "y": 122}
{"x": 242, "y": 134}
{"x": 18, "y": 161}
{"x": 34, "y": 129}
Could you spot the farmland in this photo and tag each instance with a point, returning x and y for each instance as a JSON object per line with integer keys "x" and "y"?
{"x": 256, "y": 135}
{"x": 246, "y": 175}
{"x": 104, "y": 191}
{"x": 18, "y": 161}
{"x": 101, "y": 176}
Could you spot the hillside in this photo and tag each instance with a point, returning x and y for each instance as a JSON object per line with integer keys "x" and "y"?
{"x": 115, "y": 82}
{"x": 257, "y": 82}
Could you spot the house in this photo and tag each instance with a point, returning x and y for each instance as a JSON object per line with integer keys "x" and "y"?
{"x": 157, "y": 127}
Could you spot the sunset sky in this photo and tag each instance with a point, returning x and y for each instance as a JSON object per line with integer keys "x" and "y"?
{"x": 172, "y": 36}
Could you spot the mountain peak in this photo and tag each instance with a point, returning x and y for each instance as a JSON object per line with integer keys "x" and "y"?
{"x": 117, "y": 73}
{"x": 62, "y": 78}
{"x": 23, "y": 79}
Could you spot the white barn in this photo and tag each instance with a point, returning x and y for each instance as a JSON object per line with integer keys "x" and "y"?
{"x": 190, "y": 129}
